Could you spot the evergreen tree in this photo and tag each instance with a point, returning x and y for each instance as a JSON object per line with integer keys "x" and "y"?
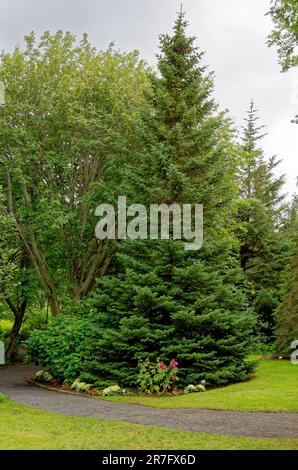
{"x": 287, "y": 313}
{"x": 167, "y": 302}
{"x": 257, "y": 178}
{"x": 259, "y": 210}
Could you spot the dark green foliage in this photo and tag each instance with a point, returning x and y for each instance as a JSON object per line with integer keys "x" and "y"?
{"x": 259, "y": 210}
{"x": 256, "y": 173}
{"x": 288, "y": 319}
{"x": 187, "y": 153}
{"x": 162, "y": 301}
{"x": 60, "y": 347}
{"x": 287, "y": 313}
{"x": 168, "y": 304}
{"x": 158, "y": 377}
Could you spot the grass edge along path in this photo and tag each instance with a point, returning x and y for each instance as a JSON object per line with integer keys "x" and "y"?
{"x": 272, "y": 389}
{"x": 24, "y": 428}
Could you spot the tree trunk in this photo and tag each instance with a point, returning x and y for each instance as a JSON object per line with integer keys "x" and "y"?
{"x": 36, "y": 258}
{"x": 19, "y": 313}
{"x": 97, "y": 268}
{"x": 54, "y": 305}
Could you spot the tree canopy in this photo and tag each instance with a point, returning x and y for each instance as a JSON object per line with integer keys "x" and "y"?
{"x": 284, "y": 14}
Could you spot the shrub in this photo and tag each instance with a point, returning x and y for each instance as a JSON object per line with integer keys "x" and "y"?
{"x": 157, "y": 377}
{"x": 43, "y": 376}
{"x": 80, "y": 386}
{"x": 111, "y": 391}
{"x": 197, "y": 316}
{"x": 60, "y": 347}
{"x": 195, "y": 388}
{"x": 35, "y": 319}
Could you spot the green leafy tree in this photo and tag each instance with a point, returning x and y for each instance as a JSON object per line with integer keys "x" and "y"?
{"x": 67, "y": 128}
{"x": 284, "y": 14}
{"x": 17, "y": 282}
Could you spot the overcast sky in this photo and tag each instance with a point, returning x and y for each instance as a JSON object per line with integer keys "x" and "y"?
{"x": 232, "y": 32}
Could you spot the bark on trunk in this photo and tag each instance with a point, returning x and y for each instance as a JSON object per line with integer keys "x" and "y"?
{"x": 35, "y": 256}
{"x": 19, "y": 313}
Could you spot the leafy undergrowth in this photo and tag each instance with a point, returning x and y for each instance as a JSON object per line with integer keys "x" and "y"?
{"x": 24, "y": 428}
{"x": 273, "y": 388}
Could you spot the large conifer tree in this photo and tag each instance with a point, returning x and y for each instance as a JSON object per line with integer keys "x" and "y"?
{"x": 167, "y": 302}
{"x": 259, "y": 210}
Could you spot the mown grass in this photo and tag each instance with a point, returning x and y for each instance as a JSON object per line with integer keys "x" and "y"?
{"x": 273, "y": 388}
{"x": 24, "y": 428}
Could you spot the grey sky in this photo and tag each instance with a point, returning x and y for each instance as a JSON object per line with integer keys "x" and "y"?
{"x": 232, "y": 32}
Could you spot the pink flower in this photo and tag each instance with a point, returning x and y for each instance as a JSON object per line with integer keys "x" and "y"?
{"x": 174, "y": 364}
{"x": 163, "y": 366}
{"x": 174, "y": 378}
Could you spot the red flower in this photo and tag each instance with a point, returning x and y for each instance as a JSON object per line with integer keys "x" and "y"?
{"x": 163, "y": 366}
{"x": 174, "y": 364}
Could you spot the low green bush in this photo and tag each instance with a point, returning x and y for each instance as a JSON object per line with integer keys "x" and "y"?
{"x": 35, "y": 319}
{"x": 42, "y": 376}
{"x": 112, "y": 391}
{"x": 80, "y": 386}
{"x": 195, "y": 388}
{"x": 81, "y": 347}
{"x": 60, "y": 347}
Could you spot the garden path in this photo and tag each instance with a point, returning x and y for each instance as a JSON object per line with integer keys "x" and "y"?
{"x": 14, "y": 386}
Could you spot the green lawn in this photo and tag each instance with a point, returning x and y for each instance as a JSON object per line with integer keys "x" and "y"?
{"x": 274, "y": 388}
{"x": 25, "y": 428}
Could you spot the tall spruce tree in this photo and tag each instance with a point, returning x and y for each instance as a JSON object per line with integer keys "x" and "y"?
{"x": 166, "y": 302}
{"x": 257, "y": 178}
{"x": 259, "y": 211}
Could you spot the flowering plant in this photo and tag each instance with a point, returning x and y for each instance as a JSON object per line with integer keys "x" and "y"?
{"x": 42, "y": 376}
{"x": 196, "y": 388}
{"x": 112, "y": 391}
{"x": 157, "y": 377}
{"x": 80, "y": 386}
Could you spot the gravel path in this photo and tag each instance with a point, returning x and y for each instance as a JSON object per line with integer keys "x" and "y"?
{"x": 279, "y": 425}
